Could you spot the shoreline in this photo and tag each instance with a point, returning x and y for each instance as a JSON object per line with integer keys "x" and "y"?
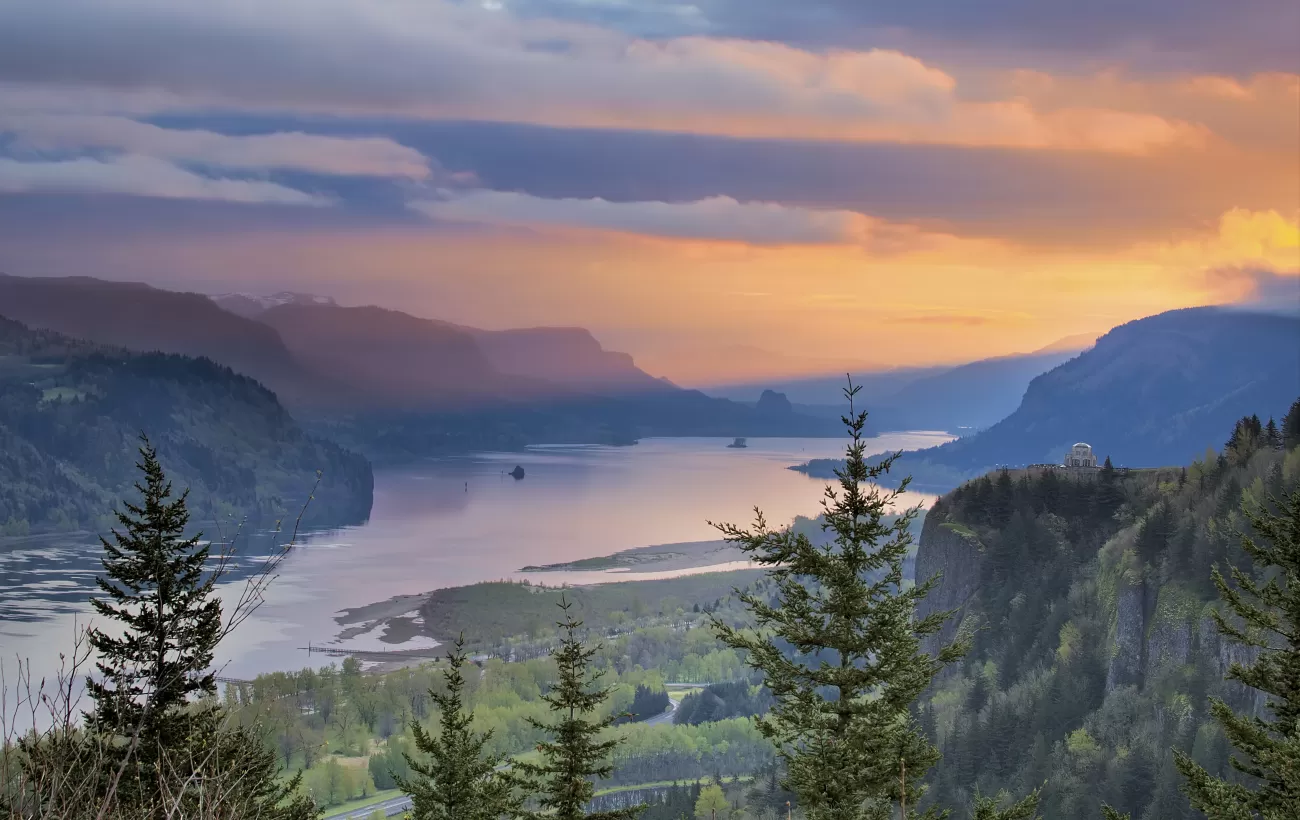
{"x": 400, "y": 624}
{"x": 656, "y": 558}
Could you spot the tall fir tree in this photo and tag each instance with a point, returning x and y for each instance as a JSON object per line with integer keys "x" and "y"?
{"x": 1291, "y": 426}
{"x": 840, "y": 646}
{"x": 157, "y": 589}
{"x": 1265, "y": 610}
{"x": 1273, "y": 435}
{"x": 149, "y": 749}
{"x": 574, "y": 755}
{"x": 454, "y": 777}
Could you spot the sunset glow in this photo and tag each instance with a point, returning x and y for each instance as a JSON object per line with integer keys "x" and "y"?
{"x": 719, "y": 204}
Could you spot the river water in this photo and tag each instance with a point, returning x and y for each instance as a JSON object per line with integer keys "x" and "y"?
{"x": 453, "y": 521}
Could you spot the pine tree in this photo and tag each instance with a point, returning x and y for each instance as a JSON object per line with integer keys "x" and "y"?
{"x": 1291, "y": 426}
{"x": 157, "y": 589}
{"x": 1109, "y": 492}
{"x": 155, "y": 751}
{"x": 841, "y": 720}
{"x": 1267, "y": 617}
{"x": 574, "y": 755}
{"x": 986, "y": 808}
{"x": 1272, "y": 435}
{"x": 459, "y": 781}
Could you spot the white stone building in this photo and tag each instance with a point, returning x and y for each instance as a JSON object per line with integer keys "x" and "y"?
{"x": 1080, "y": 455}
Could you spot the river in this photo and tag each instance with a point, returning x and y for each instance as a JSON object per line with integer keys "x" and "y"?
{"x": 454, "y": 521}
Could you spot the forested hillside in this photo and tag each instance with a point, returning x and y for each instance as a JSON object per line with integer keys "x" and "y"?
{"x": 1088, "y": 597}
{"x": 71, "y": 413}
{"x": 1153, "y": 392}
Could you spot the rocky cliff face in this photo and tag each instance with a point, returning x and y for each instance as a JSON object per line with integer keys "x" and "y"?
{"x": 1160, "y": 629}
{"x": 952, "y": 552}
{"x": 1155, "y": 629}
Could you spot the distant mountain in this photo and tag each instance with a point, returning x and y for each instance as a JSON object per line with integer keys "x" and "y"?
{"x": 774, "y": 405}
{"x": 407, "y": 361}
{"x": 1152, "y": 392}
{"x": 143, "y": 318}
{"x": 567, "y": 357}
{"x": 250, "y": 305}
{"x": 394, "y": 385}
{"x": 965, "y": 397}
{"x": 826, "y": 391}
{"x": 71, "y": 411}
{"x": 970, "y": 397}
{"x": 390, "y": 358}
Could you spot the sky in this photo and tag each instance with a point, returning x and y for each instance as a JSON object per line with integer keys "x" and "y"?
{"x": 726, "y": 189}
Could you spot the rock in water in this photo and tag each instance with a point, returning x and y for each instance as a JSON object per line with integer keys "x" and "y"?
{"x": 517, "y": 473}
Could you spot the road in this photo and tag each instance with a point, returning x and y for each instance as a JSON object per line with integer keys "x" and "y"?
{"x": 663, "y": 717}
{"x": 390, "y": 807}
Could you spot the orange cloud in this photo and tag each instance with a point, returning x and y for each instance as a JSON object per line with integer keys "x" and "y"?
{"x": 680, "y": 304}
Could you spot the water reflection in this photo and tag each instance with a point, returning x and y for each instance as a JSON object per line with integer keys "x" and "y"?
{"x": 456, "y": 521}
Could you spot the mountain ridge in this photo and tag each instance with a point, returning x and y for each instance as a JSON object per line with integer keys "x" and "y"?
{"x": 71, "y": 413}
{"x": 1151, "y": 392}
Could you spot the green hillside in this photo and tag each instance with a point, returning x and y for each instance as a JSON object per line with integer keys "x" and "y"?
{"x": 1088, "y": 596}
{"x": 71, "y": 413}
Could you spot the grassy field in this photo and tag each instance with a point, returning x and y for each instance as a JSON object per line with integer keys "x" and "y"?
{"x": 363, "y": 802}
{"x": 496, "y": 610}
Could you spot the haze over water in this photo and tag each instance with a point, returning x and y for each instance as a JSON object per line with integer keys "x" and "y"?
{"x": 454, "y": 521}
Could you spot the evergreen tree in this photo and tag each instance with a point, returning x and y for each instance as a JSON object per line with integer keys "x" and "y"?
{"x": 1110, "y": 493}
{"x": 1272, "y": 435}
{"x": 157, "y": 589}
{"x": 1267, "y": 617}
{"x": 149, "y": 750}
{"x": 840, "y": 648}
{"x": 986, "y": 808}
{"x": 459, "y": 781}
{"x": 1291, "y": 426}
{"x": 574, "y": 755}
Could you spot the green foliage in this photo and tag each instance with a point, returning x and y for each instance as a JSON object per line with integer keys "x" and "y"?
{"x": 503, "y": 610}
{"x": 1265, "y": 616}
{"x": 712, "y": 803}
{"x": 1291, "y": 426}
{"x": 839, "y": 647}
{"x": 155, "y": 745}
{"x": 157, "y": 591}
{"x": 459, "y": 781}
{"x": 988, "y": 808}
{"x": 723, "y": 700}
{"x": 1094, "y": 657}
{"x": 574, "y": 754}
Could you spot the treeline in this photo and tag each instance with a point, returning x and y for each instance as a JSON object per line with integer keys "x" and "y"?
{"x": 70, "y": 415}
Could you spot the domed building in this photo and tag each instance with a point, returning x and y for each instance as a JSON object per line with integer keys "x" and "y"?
{"x": 1080, "y": 455}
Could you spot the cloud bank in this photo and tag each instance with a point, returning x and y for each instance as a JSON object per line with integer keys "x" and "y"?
{"x": 142, "y": 176}
{"x": 294, "y": 151}
{"x": 721, "y": 217}
{"x": 441, "y": 60}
